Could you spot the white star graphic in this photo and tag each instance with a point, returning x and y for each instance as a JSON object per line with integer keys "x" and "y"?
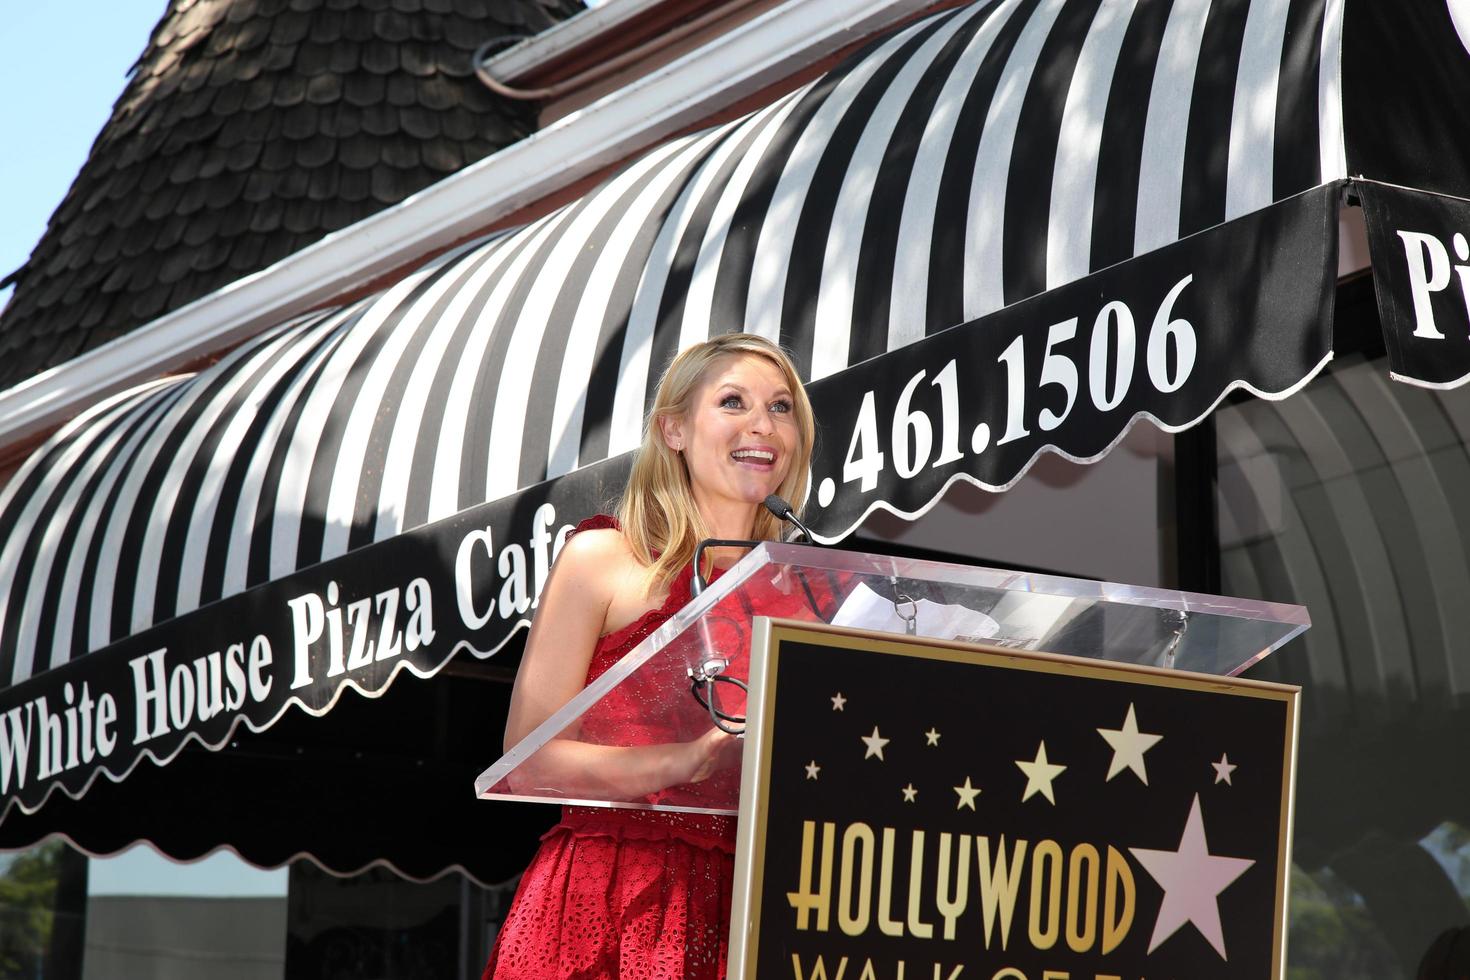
{"x": 967, "y": 795}
{"x": 1129, "y": 745}
{"x": 909, "y": 793}
{"x": 812, "y": 769}
{"x": 1192, "y": 878}
{"x": 1039, "y": 774}
{"x": 932, "y": 736}
{"x": 1223, "y": 769}
{"x": 838, "y": 701}
{"x": 875, "y": 743}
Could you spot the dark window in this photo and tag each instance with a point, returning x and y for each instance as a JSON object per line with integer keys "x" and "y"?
{"x": 1350, "y": 497}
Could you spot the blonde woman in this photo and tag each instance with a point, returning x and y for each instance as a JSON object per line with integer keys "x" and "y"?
{"x": 639, "y": 894}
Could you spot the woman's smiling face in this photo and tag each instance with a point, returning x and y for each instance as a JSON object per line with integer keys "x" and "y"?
{"x": 738, "y": 436}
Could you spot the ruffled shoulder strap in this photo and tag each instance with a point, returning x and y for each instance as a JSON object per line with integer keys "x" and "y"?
{"x": 598, "y": 522}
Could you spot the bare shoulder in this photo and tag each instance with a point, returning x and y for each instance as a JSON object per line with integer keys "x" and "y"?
{"x": 602, "y": 567}
{"x": 593, "y": 541}
{"x": 593, "y": 553}
{"x": 596, "y": 567}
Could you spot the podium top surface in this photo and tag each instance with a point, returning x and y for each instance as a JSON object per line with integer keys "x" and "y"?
{"x": 644, "y": 701}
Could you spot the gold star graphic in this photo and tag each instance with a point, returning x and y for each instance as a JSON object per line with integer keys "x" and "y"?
{"x": 1129, "y": 745}
{"x": 909, "y": 793}
{"x": 838, "y": 701}
{"x": 1223, "y": 769}
{"x": 967, "y": 795}
{"x": 812, "y": 769}
{"x": 875, "y": 743}
{"x": 1039, "y": 774}
{"x": 932, "y": 736}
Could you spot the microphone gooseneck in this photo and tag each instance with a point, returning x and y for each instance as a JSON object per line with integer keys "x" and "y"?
{"x": 779, "y": 507}
{"x": 776, "y": 506}
{"x": 706, "y": 676}
{"x": 697, "y": 582}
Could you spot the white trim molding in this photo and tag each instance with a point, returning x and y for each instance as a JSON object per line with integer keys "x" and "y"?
{"x": 568, "y": 35}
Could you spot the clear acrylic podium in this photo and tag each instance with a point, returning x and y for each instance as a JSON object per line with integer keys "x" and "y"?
{"x": 646, "y": 699}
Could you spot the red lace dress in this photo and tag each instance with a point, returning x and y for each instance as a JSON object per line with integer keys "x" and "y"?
{"x": 617, "y": 894}
{"x": 623, "y": 894}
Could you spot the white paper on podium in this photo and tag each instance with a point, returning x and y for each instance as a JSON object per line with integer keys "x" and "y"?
{"x": 1020, "y": 620}
{"x": 866, "y": 609}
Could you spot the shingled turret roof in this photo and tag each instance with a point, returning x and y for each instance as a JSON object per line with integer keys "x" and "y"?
{"x": 247, "y": 130}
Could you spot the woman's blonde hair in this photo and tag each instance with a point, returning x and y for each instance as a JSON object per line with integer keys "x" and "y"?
{"x": 657, "y": 510}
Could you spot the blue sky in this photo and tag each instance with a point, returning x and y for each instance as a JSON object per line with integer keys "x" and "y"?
{"x": 62, "y": 65}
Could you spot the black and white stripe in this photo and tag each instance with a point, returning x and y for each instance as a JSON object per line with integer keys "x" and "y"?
{"x": 965, "y": 162}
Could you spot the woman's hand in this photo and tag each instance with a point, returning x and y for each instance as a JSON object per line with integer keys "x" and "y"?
{"x": 710, "y": 753}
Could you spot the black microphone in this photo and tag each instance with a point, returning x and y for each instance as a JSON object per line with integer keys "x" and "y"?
{"x": 783, "y": 510}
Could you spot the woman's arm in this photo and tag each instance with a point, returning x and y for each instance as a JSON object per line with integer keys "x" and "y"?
{"x": 569, "y": 619}
{"x": 582, "y": 770}
{"x": 572, "y": 613}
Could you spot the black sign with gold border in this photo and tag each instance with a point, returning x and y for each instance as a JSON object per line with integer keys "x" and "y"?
{"x": 914, "y": 809}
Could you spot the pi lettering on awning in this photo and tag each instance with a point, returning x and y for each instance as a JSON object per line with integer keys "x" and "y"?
{"x": 1420, "y": 248}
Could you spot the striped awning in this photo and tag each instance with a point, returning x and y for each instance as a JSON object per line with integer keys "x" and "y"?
{"x": 975, "y": 159}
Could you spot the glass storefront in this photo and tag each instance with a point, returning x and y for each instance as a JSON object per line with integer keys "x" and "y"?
{"x": 148, "y": 916}
{"x": 42, "y": 912}
{"x": 140, "y": 916}
{"x": 1349, "y": 497}
{"x": 377, "y": 925}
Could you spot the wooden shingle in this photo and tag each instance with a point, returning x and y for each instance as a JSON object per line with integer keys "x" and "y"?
{"x": 247, "y": 130}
